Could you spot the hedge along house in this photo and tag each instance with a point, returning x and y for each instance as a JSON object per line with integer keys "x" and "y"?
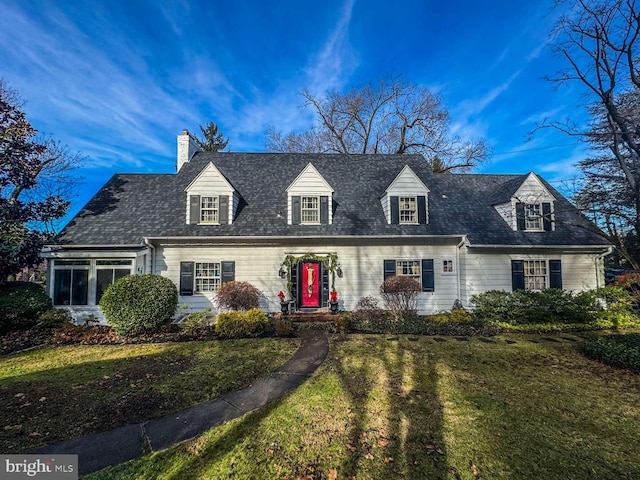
{"x": 308, "y": 224}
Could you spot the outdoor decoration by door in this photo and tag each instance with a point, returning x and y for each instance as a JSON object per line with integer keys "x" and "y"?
{"x": 310, "y": 284}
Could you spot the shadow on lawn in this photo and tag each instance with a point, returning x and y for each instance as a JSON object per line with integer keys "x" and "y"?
{"x": 411, "y": 445}
{"x": 76, "y": 400}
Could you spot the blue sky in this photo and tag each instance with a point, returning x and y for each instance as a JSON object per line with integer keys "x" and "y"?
{"x": 119, "y": 80}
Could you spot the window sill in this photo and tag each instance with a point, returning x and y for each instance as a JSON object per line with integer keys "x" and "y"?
{"x": 208, "y": 223}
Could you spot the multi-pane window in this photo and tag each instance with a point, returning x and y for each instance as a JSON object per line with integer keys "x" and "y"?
{"x": 71, "y": 282}
{"x": 408, "y": 268}
{"x": 447, "y": 266}
{"x": 532, "y": 216}
{"x": 310, "y": 210}
{"x": 535, "y": 274}
{"x": 408, "y": 210}
{"x": 209, "y": 210}
{"x": 207, "y": 277}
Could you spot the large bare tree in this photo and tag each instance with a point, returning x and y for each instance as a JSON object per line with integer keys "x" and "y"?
{"x": 598, "y": 40}
{"x": 392, "y": 116}
{"x": 35, "y": 184}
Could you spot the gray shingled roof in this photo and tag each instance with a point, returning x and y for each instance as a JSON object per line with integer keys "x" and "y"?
{"x": 130, "y": 207}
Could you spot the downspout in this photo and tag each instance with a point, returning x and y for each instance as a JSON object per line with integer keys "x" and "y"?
{"x": 153, "y": 253}
{"x": 597, "y": 260}
{"x": 458, "y": 286}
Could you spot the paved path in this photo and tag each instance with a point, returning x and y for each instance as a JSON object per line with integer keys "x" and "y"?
{"x": 101, "y": 450}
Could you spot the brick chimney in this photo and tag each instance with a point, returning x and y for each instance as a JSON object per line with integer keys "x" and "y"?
{"x": 187, "y": 148}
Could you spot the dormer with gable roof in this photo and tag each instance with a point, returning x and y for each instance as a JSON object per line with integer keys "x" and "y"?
{"x": 211, "y": 200}
{"x": 309, "y": 199}
{"x": 530, "y": 207}
{"x": 405, "y": 200}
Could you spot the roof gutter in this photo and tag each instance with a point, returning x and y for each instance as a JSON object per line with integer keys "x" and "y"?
{"x": 565, "y": 247}
{"x": 290, "y": 237}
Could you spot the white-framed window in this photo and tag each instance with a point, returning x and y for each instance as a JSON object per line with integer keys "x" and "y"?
{"x": 207, "y": 277}
{"x": 408, "y": 210}
{"x": 310, "y": 209}
{"x": 447, "y": 265}
{"x": 71, "y": 282}
{"x": 107, "y": 272}
{"x": 535, "y": 275}
{"x": 408, "y": 268}
{"x": 533, "y": 216}
{"x": 209, "y": 210}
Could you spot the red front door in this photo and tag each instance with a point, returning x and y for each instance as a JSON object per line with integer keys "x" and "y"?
{"x": 310, "y": 284}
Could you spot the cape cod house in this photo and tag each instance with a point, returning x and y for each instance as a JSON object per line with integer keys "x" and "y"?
{"x": 310, "y": 223}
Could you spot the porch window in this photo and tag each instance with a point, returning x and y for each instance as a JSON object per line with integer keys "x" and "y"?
{"x": 107, "y": 272}
{"x": 408, "y": 210}
{"x": 207, "y": 277}
{"x": 71, "y": 282}
{"x": 310, "y": 209}
{"x": 209, "y": 210}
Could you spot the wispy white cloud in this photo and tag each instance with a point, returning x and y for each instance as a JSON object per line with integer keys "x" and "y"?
{"x": 330, "y": 67}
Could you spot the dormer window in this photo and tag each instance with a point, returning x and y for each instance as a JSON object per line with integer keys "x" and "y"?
{"x": 310, "y": 209}
{"x": 408, "y": 210}
{"x": 533, "y": 216}
{"x": 209, "y": 210}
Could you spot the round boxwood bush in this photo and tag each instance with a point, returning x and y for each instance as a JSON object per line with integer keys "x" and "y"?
{"x": 139, "y": 303}
{"x": 21, "y": 303}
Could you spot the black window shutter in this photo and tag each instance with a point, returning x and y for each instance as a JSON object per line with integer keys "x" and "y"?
{"x": 517, "y": 275}
{"x": 295, "y": 210}
{"x": 520, "y": 215}
{"x": 194, "y": 209}
{"x": 546, "y": 216}
{"x": 395, "y": 210}
{"x": 422, "y": 210}
{"x": 555, "y": 274}
{"x": 428, "y": 277}
{"x": 389, "y": 268}
{"x": 228, "y": 272}
{"x": 186, "y": 278}
{"x": 223, "y": 213}
{"x": 324, "y": 210}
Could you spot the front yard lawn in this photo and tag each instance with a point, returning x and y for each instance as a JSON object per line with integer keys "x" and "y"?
{"x": 389, "y": 407}
{"x": 57, "y": 393}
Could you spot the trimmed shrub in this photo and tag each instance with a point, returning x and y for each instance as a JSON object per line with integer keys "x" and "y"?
{"x": 21, "y": 303}
{"x": 238, "y": 296}
{"x": 139, "y": 303}
{"x": 195, "y": 321}
{"x": 552, "y": 306}
{"x": 283, "y": 327}
{"x": 460, "y": 315}
{"x": 400, "y": 295}
{"x": 617, "y": 350}
{"x": 343, "y": 323}
{"x": 367, "y": 309}
{"x": 239, "y": 324}
{"x": 55, "y": 318}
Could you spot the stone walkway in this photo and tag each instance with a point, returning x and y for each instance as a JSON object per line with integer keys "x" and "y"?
{"x": 101, "y": 450}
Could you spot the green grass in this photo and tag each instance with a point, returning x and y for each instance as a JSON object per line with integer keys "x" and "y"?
{"x": 52, "y": 394}
{"x": 412, "y": 407}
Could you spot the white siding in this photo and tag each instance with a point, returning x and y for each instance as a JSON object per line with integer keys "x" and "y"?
{"x": 532, "y": 191}
{"x": 210, "y": 182}
{"x": 492, "y": 271}
{"x": 362, "y": 267}
{"x": 405, "y": 184}
{"x": 309, "y": 183}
